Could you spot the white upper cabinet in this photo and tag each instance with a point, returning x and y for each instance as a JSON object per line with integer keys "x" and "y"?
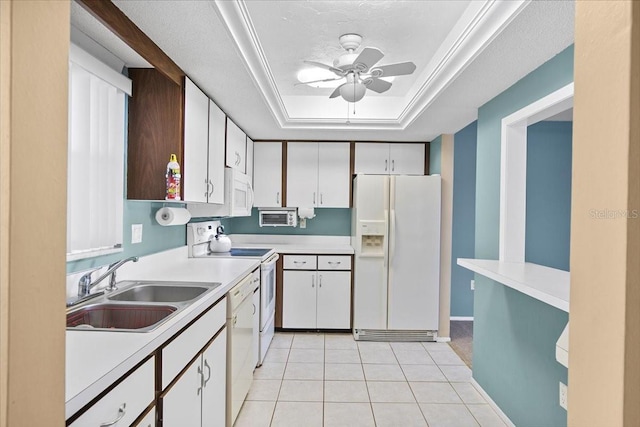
{"x": 389, "y": 159}
{"x": 302, "y": 174}
{"x": 236, "y": 147}
{"x": 318, "y": 174}
{"x": 334, "y": 175}
{"x": 215, "y": 184}
{"x": 196, "y": 142}
{"x": 204, "y": 135}
{"x": 406, "y": 159}
{"x": 267, "y": 174}
{"x": 372, "y": 158}
{"x": 250, "y": 159}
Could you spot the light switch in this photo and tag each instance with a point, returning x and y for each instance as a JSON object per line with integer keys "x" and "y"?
{"x": 136, "y": 233}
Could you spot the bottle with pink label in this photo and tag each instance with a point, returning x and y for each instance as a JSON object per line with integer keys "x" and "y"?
{"x": 173, "y": 179}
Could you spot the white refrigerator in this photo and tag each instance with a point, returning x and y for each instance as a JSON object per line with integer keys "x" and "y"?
{"x": 396, "y": 236}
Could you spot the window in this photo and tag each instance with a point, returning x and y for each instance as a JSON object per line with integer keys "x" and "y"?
{"x": 95, "y": 179}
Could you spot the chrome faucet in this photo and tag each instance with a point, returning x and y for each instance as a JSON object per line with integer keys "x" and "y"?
{"x": 86, "y": 284}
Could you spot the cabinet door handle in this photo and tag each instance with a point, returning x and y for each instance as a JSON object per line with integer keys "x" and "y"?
{"x": 201, "y": 380}
{"x": 237, "y": 158}
{"x": 314, "y": 197}
{"x": 386, "y": 162}
{"x": 278, "y": 198}
{"x": 206, "y": 365}
{"x": 212, "y": 188}
{"x": 313, "y": 281}
{"x": 334, "y": 262}
{"x": 254, "y": 309}
{"x": 300, "y": 262}
{"x": 320, "y": 281}
{"x": 393, "y": 165}
{"x": 320, "y": 198}
{"x": 206, "y": 192}
{"x": 121, "y": 411}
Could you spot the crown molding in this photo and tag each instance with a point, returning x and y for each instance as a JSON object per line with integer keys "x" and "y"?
{"x": 485, "y": 21}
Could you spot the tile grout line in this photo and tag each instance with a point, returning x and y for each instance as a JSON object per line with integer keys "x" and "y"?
{"x": 366, "y": 384}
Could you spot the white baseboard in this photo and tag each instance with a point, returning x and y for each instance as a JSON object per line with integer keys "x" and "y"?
{"x": 462, "y": 318}
{"x": 493, "y": 405}
{"x": 443, "y": 339}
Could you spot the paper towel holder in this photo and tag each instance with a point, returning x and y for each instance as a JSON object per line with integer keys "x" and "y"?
{"x": 167, "y": 216}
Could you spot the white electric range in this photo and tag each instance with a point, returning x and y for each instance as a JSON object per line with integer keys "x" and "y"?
{"x": 199, "y": 235}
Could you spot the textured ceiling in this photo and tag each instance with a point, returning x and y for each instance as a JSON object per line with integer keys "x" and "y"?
{"x": 430, "y": 102}
{"x": 403, "y": 31}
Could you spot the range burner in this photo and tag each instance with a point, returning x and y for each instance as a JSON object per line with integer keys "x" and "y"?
{"x": 249, "y": 252}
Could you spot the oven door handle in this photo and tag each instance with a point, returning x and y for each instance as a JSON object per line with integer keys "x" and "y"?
{"x": 270, "y": 262}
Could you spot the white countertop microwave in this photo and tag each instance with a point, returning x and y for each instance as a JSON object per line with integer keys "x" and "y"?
{"x": 278, "y": 217}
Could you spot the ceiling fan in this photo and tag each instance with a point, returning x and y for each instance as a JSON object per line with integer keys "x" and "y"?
{"x": 358, "y": 71}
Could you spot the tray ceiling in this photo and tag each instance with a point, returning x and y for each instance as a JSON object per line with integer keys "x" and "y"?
{"x": 246, "y": 55}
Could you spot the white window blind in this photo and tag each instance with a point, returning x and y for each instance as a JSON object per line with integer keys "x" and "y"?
{"x": 95, "y": 180}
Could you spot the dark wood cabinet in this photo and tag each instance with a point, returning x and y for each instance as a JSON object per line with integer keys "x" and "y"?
{"x": 156, "y": 130}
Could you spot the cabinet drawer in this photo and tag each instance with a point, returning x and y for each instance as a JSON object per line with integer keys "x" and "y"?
{"x": 181, "y": 350}
{"x": 299, "y": 262}
{"x": 133, "y": 395}
{"x": 334, "y": 262}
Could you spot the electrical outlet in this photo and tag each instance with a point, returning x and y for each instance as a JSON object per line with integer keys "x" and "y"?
{"x": 136, "y": 233}
{"x": 563, "y": 395}
{"x": 302, "y": 223}
{"x": 473, "y": 285}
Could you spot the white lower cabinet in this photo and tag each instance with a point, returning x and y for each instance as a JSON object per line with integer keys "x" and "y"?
{"x": 198, "y": 397}
{"x": 299, "y": 299}
{"x": 334, "y": 300}
{"x": 316, "y": 299}
{"x": 125, "y": 402}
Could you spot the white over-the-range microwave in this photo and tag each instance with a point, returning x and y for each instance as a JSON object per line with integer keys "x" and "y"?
{"x": 238, "y": 197}
{"x": 284, "y": 217}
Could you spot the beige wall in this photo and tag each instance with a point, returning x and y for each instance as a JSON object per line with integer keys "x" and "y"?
{"x": 604, "y": 355}
{"x": 34, "y": 66}
{"x": 446, "y": 227}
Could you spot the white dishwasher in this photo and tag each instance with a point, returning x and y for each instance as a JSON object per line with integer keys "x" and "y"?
{"x": 240, "y": 354}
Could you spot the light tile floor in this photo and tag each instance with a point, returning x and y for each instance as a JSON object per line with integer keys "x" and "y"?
{"x": 330, "y": 380}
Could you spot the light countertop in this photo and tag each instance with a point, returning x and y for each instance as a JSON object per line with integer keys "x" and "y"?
{"x": 95, "y": 359}
{"x": 545, "y": 284}
{"x": 296, "y": 244}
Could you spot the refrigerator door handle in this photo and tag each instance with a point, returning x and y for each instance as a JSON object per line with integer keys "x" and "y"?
{"x": 392, "y": 249}
{"x": 386, "y": 245}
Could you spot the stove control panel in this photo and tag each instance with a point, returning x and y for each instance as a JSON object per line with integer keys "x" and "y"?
{"x": 198, "y": 236}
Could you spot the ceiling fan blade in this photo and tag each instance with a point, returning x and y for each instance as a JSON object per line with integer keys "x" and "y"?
{"x": 336, "y": 93}
{"x": 368, "y": 58}
{"x": 399, "y": 69}
{"x": 377, "y": 85}
{"x": 318, "y": 81}
{"x": 335, "y": 70}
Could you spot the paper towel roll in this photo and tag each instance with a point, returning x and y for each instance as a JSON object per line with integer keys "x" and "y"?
{"x": 306, "y": 213}
{"x": 172, "y": 216}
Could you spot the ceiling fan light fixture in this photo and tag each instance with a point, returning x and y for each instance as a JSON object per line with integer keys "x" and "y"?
{"x": 353, "y": 92}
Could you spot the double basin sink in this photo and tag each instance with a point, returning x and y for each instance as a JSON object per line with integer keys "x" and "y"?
{"x": 137, "y": 306}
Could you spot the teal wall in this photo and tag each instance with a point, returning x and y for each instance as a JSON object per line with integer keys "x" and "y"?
{"x": 327, "y": 222}
{"x": 463, "y": 225}
{"x": 548, "y": 212}
{"x": 435, "y": 150}
{"x": 155, "y": 238}
{"x": 514, "y": 335}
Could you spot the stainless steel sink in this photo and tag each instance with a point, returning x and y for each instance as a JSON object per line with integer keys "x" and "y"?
{"x": 141, "y": 318}
{"x": 159, "y": 293}
{"x": 137, "y": 306}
